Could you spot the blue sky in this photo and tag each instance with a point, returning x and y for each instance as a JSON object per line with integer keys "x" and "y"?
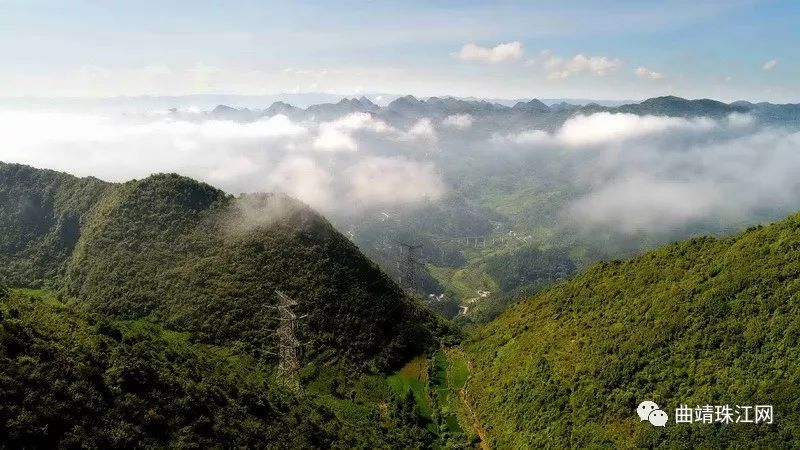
{"x": 735, "y": 49}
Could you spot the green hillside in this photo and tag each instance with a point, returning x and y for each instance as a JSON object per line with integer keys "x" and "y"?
{"x": 41, "y": 214}
{"x": 158, "y": 325}
{"x": 193, "y": 258}
{"x": 75, "y": 380}
{"x": 160, "y": 332}
{"x": 706, "y": 321}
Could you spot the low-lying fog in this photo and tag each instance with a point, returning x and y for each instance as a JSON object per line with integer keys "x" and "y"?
{"x": 627, "y": 171}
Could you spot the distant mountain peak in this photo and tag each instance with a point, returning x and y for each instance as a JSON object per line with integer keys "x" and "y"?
{"x": 533, "y": 105}
{"x": 225, "y": 112}
{"x": 281, "y": 105}
{"x": 223, "y": 109}
{"x": 406, "y": 99}
{"x": 281, "y": 108}
{"x": 367, "y": 103}
{"x": 342, "y": 107}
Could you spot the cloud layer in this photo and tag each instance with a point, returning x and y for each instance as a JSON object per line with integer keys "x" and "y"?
{"x": 651, "y": 174}
{"x": 324, "y": 164}
{"x": 623, "y": 172}
{"x": 459, "y": 121}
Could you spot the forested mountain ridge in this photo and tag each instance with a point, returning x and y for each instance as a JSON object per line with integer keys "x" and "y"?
{"x": 162, "y": 330}
{"x": 187, "y": 255}
{"x": 199, "y": 260}
{"x": 41, "y": 214}
{"x": 705, "y": 321}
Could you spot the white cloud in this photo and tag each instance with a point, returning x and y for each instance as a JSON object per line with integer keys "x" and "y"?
{"x": 604, "y": 127}
{"x": 532, "y": 137}
{"x": 378, "y": 181}
{"x": 769, "y": 65}
{"x": 675, "y": 173}
{"x": 271, "y": 154}
{"x": 273, "y": 127}
{"x": 234, "y": 166}
{"x": 643, "y": 72}
{"x": 301, "y": 177}
{"x": 458, "y": 121}
{"x": 361, "y": 121}
{"x": 641, "y": 203}
{"x": 740, "y": 120}
{"x": 337, "y": 135}
{"x": 342, "y": 135}
{"x": 656, "y": 174}
{"x": 422, "y": 129}
{"x": 121, "y": 148}
{"x": 333, "y": 139}
{"x": 511, "y": 51}
{"x": 528, "y": 137}
{"x": 559, "y": 68}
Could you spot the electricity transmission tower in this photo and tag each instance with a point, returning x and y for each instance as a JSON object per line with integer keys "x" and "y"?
{"x": 408, "y": 270}
{"x": 289, "y": 350}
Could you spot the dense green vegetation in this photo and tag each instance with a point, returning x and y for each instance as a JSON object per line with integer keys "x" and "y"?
{"x": 530, "y": 267}
{"x": 41, "y": 214}
{"x": 448, "y": 374}
{"x": 705, "y": 321}
{"x": 431, "y": 388}
{"x": 195, "y": 259}
{"x": 187, "y": 255}
{"x": 160, "y": 331}
{"x": 71, "y": 379}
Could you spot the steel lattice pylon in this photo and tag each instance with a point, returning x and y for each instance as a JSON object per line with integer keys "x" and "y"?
{"x": 289, "y": 351}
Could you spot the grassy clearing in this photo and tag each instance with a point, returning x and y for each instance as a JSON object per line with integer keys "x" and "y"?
{"x": 414, "y": 376}
{"x": 436, "y": 384}
{"x": 449, "y": 377}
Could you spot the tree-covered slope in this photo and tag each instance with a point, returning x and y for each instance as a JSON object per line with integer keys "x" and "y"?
{"x": 700, "y": 322}
{"x": 193, "y": 258}
{"x": 187, "y": 255}
{"x": 75, "y": 380}
{"x": 162, "y": 333}
{"x": 41, "y": 213}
